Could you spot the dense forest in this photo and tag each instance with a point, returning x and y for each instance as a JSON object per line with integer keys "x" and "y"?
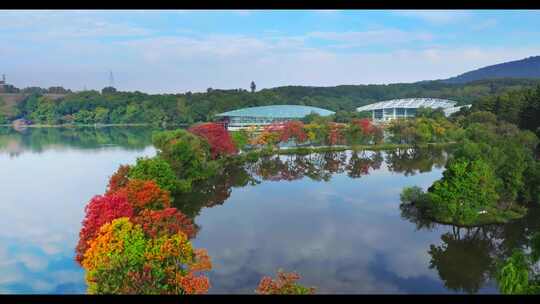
{"x": 112, "y": 107}
{"x": 525, "y": 68}
{"x": 521, "y": 107}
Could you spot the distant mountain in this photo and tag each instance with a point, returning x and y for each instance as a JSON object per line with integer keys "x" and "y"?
{"x": 525, "y": 68}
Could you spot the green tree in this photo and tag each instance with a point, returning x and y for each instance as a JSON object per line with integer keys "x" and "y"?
{"x": 187, "y": 154}
{"x": 466, "y": 189}
{"x": 155, "y": 169}
{"x": 101, "y": 115}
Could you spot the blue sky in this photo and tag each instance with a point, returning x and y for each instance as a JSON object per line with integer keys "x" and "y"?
{"x": 177, "y": 51}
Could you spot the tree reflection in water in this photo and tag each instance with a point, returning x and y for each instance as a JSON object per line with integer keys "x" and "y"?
{"x": 464, "y": 260}
{"x": 315, "y": 166}
{"x": 38, "y": 140}
{"x": 467, "y": 258}
{"x": 410, "y": 161}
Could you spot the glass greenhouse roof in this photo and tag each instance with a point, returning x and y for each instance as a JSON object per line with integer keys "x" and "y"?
{"x": 410, "y": 103}
{"x": 277, "y": 111}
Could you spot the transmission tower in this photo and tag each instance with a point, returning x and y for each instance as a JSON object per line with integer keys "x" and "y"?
{"x": 111, "y": 79}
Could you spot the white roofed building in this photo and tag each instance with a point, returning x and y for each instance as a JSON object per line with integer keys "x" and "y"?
{"x": 404, "y": 108}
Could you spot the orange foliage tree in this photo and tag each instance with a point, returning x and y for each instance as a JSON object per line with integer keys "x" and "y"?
{"x": 285, "y": 284}
{"x": 145, "y": 194}
{"x": 156, "y": 223}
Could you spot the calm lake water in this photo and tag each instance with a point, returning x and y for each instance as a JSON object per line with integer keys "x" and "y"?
{"x": 334, "y": 218}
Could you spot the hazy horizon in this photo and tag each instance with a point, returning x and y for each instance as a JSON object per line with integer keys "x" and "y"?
{"x": 178, "y": 51}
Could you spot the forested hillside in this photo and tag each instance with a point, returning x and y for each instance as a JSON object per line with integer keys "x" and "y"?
{"x": 109, "y": 106}
{"x": 525, "y": 68}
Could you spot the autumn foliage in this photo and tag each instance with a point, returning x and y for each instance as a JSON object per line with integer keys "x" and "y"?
{"x": 365, "y": 125}
{"x": 293, "y": 129}
{"x": 99, "y": 211}
{"x": 335, "y": 134}
{"x": 119, "y": 179}
{"x": 285, "y": 284}
{"x": 145, "y": 194}
{"x": 122, "y": 259}
{"x": 156, "y": 223}
{"x": 217, "y": 136}
{"x": 132, "y": 242}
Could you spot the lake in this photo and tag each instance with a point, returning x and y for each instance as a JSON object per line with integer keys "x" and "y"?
{"x": 334, "y": 218}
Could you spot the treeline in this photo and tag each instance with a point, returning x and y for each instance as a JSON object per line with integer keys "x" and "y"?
{"x": 112, "y": 107}
{"x": 34, "y": 90}
{"x": 519, "y": 107}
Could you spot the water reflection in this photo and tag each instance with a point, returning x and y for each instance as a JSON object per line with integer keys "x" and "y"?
{"x": 314, "y": 166}
{"x": 36, "y": 140}
{"x": 333, "y": 217}
{"x": 466, "y": 259}
{"x": 43, "y": 190}
{"x": 411, "y": 161}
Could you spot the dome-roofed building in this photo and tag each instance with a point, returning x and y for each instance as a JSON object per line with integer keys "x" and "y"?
{"x": 265, "y": 115}
{"x": 403, "y": 108}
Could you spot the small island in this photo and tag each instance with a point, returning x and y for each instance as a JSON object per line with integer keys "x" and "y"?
{"x": 489, "y": 179}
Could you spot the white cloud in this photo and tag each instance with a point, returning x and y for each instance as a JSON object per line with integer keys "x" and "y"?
{"x": 77, "y": 56}
{"x": 47, "y": 25}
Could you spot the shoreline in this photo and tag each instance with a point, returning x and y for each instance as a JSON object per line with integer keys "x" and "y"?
{"x": 308, "y": 150}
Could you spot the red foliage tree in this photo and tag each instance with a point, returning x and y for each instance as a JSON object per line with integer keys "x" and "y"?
{"x": 99, "y": 211}
{"x": 293, "y": 129}
{"x": 335, "y": 134}
{"x": 365, "y": 125}
{"x": 217, "y": 136}
{"x": 145, "y": 194}
{"x": 156, "y": 223}
{"x": 119, "y": 179}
